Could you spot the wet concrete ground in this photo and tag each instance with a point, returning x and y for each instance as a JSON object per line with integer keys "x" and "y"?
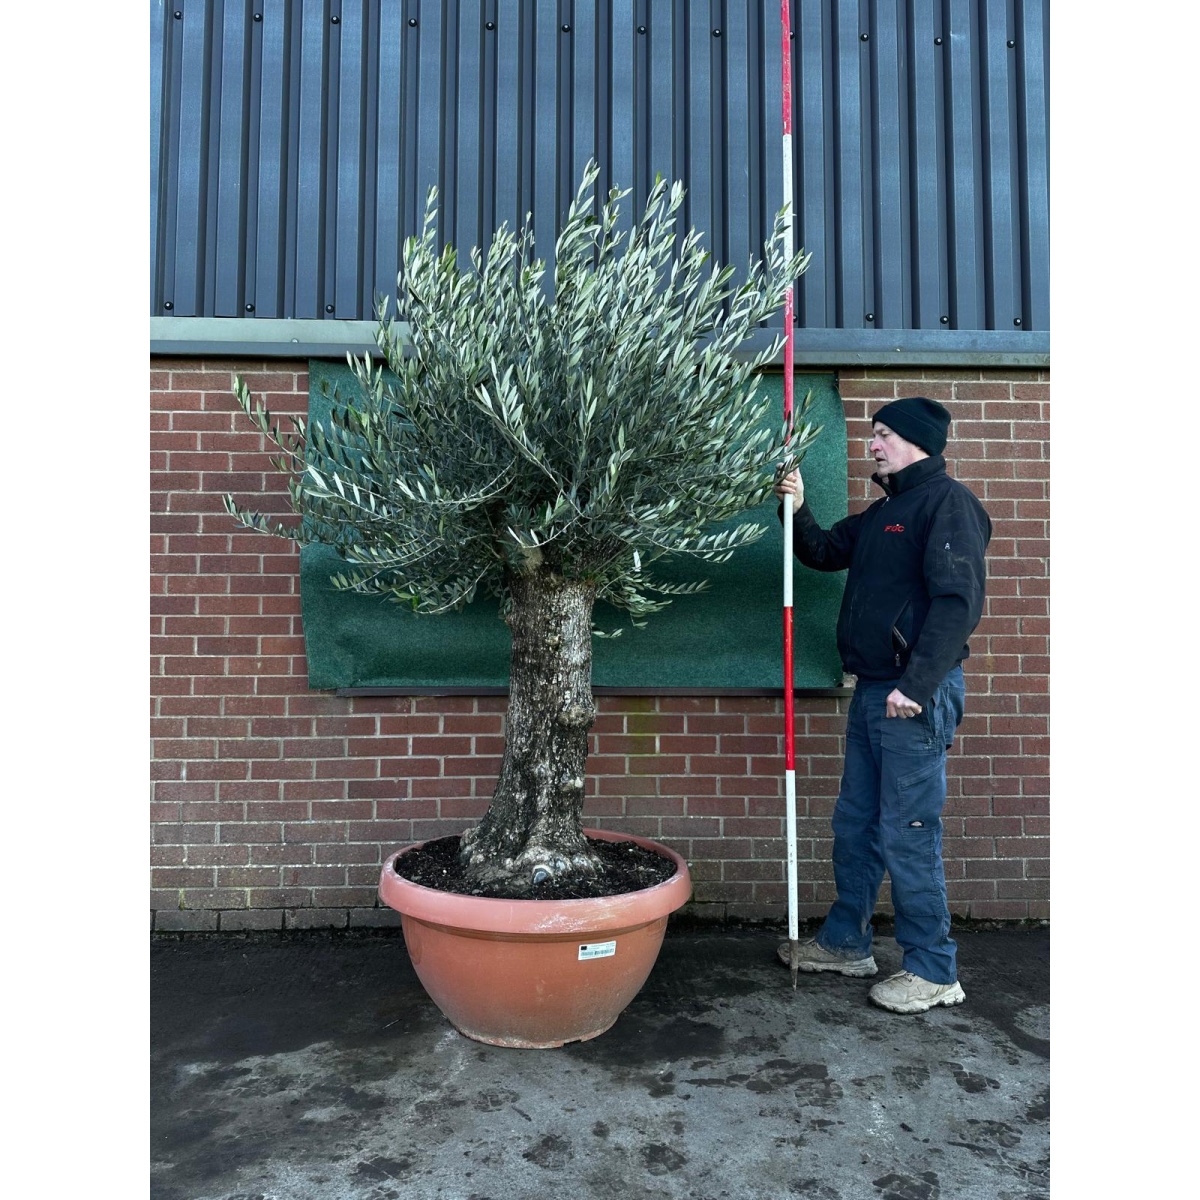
{"x": 314, "y": 1067}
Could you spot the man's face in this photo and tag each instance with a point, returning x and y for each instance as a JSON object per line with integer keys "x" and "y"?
{"x": 891, "y": 452}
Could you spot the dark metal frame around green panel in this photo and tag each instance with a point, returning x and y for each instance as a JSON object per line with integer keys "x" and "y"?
{"x": 728, "y": 639}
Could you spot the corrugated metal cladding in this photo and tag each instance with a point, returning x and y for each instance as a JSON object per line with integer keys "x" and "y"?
{"x": 293, "y": 144}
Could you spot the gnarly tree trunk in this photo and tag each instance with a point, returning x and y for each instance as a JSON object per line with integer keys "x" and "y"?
{"x": 535, "y": 822}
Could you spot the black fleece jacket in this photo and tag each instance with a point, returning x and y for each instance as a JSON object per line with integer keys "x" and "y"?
{"x": 914, "y": 588}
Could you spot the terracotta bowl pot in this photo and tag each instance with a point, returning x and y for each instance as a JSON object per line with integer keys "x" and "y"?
{"x": 534, "y": 973}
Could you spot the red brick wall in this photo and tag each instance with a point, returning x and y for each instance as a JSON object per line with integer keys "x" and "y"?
{"x": 273, "y": 804}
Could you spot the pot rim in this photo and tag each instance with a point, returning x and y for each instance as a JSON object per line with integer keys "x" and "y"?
{"x": 515, "y": 916}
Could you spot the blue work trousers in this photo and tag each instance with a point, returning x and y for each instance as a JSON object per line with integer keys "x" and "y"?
{"x": 888, "y": 816}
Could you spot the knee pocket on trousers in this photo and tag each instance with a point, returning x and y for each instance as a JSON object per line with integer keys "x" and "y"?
{"x": 912, "y": 835}
{"x": 917, "y": 885}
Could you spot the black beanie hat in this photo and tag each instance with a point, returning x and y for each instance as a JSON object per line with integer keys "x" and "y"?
{"x": 917, "y": 419}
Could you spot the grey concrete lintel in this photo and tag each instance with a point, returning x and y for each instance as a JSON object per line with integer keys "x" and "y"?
{"x": 265, "y": 337}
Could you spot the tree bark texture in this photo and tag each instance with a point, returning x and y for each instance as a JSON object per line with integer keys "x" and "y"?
{"x": 533, "y": 828}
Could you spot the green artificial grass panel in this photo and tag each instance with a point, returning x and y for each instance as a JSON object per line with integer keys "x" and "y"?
{"x": 727, "y": 637}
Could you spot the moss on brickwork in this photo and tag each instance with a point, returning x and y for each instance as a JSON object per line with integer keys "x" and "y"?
{"x": 649, "y": 723}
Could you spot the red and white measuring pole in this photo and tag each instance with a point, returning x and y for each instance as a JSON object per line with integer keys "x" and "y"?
{"x": 789, "y": 701}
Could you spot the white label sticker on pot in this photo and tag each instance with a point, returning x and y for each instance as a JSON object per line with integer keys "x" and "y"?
{"x": 597, "y": 950}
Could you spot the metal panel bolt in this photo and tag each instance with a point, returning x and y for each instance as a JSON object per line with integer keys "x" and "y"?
{"x": 168, "y": 305}
{"x": 945, "y": 320}
{"x": 566, "y": 29}
{"x": 870, "y": 316}
{"x": 937, "y": 41}
{"x": 178, "y": 15}
{"x": 1011, "y": 43}
{"x": 412, "y": 22}
{"x": 490, "y": 25}
{"x": 258, "y": 16}
{"x": 335, "y": 20}
{"x": 641, "y": 29}
{"x": 249, "y": 307}
{"x": 716, "y": 33}
{"x": 864, "y": 37}
{"x": 1016, "y": 320}
{"x": 329, "y": 308}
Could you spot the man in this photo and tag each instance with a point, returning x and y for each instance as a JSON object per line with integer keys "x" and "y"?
{"x": 914, "y": 593}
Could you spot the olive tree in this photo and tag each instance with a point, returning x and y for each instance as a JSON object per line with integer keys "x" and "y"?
{"x": 549, "y": 445}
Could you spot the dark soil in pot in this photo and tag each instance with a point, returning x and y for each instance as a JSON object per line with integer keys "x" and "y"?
{"x": 628, "y": 867}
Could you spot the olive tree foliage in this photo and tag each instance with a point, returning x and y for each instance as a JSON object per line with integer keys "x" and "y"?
{"x": 586, "y": 434}
{"x": 549, "y": 445}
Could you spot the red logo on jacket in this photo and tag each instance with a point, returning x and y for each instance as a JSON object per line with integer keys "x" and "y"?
{"x": 893, "y": 529}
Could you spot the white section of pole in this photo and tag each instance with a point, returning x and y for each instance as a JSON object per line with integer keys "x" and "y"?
{"x": 789, "y": 511}
{"x": 793, "y": 886}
